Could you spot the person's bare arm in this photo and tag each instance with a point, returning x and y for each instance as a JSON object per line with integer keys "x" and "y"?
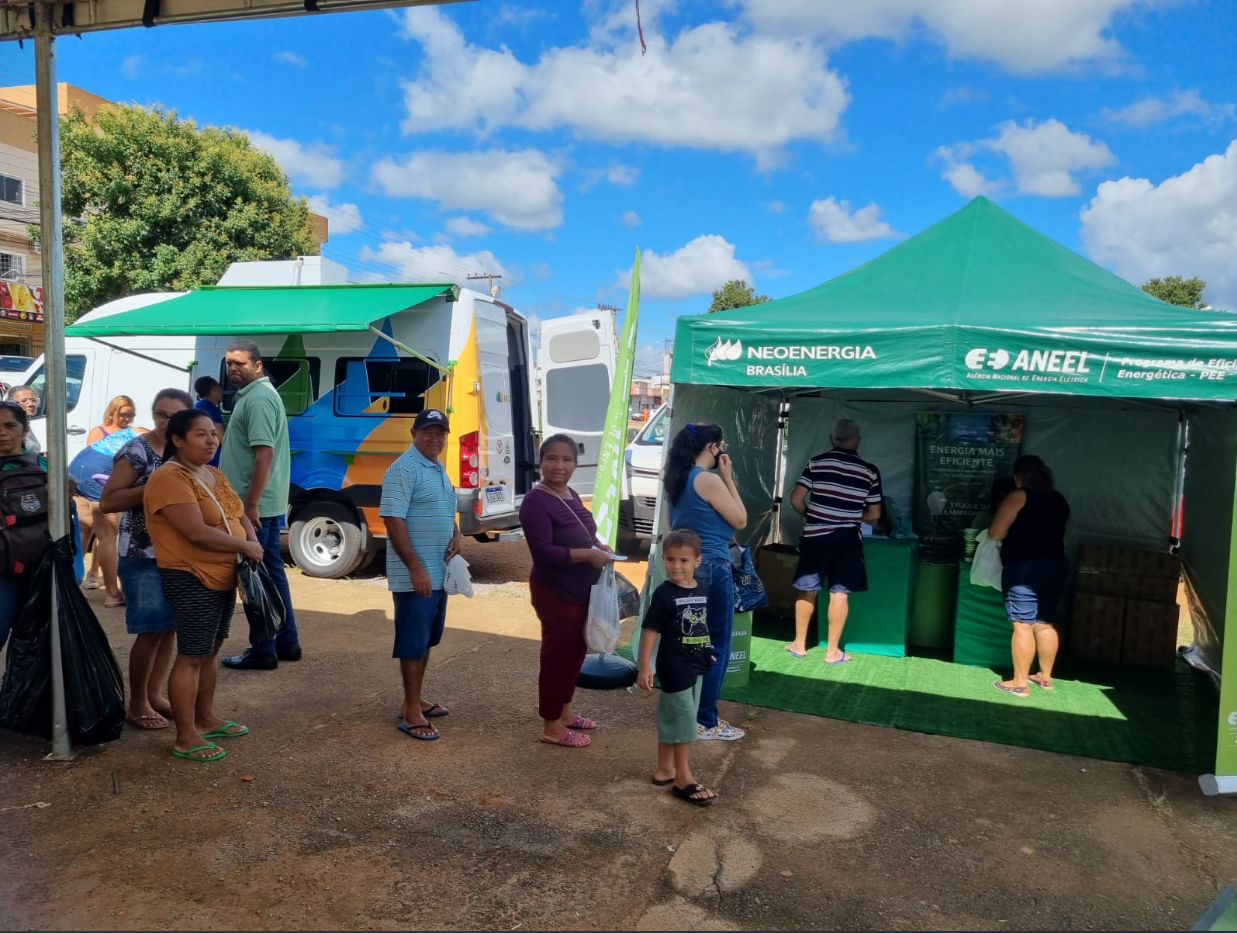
{"x": 397, "y": 537}
{"x": 96, "y": 434}
{"x": 263, "y": 458}
{"x": 872, "y": 513}
{"x": 720, "y": 492}
{"x": 798, "y": 499}
{"x": 1006, "y": 514}
{"x": 119, "y": 493}
{"x": 644, "y": 678}
{"x": 187, "y": 517}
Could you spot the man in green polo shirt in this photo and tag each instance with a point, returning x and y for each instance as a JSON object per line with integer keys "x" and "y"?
{"x": 256, "y": 459}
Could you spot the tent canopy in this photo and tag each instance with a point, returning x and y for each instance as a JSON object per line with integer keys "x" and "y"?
{"x": 979, "y": 301}
{"x": 294, "y": 309}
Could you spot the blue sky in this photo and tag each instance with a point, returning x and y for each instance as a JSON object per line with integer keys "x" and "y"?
{"x": 781, "y": 141}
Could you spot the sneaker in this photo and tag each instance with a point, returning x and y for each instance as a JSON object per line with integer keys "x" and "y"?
{"x": 251, "y": 662}
{"x": 722, "y": 732}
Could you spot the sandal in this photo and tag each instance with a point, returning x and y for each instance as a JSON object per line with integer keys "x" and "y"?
{"x": 190, "y": 756}
{"x": 433, "y": 711}
{"x": 118, "y": 604}
{"x": 581, "y": 723}
{"x": 662, "y": 782}
{"x": 1042, "y": 682}
{"x": 1020, "y": 692}
{"x": 148, "y": 722}
{"x": 229, "y": 730}
{"x": 569, "y": 739}
{"x": 410, "y": 730}
{"x": 689, "y": 792}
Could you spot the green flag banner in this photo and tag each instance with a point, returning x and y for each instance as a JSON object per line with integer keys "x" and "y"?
{"x": 614, "y": 438}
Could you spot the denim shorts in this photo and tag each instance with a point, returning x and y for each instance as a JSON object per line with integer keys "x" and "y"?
{"x": 146, "y": 608}
{"x": 419, "y": 623}
{"x": 1034, "y": 589}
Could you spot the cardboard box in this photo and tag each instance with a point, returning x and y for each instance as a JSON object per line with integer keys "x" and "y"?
{"x": 775, "y": 565}
{"x": 1098, "y": 628}
{"x": 1150, "y": 635}
{"x": 1128, "y": 572}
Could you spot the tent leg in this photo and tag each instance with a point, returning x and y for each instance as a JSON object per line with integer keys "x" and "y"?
{"x": 52, "y": 241}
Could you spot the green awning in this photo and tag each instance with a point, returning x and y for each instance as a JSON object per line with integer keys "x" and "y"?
{"x": 295, "y": 309}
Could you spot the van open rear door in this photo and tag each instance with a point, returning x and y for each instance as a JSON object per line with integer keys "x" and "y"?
{"x": 576, "y": 365}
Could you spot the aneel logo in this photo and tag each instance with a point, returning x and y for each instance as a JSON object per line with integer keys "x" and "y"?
{"x": 1069, "y": 362}
{"x": 993, "y": 359}
{"x": 723, "y": 351}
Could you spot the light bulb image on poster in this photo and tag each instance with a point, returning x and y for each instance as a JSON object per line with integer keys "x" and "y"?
{"x": 957, "y": 456}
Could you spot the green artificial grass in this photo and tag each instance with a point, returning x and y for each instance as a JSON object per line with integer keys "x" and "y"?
{"x": 1158, "y": 718}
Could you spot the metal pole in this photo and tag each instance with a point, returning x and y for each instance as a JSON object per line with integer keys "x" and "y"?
{"x": 52, "y": 242}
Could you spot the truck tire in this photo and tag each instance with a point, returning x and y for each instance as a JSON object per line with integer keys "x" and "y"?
{"x": 325, "y": 541}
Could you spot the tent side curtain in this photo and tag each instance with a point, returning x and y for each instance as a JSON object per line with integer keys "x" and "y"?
{"x": 299, "y": 309}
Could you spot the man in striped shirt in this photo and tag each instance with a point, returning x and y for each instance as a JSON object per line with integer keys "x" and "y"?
{"x": 836, "y": 493}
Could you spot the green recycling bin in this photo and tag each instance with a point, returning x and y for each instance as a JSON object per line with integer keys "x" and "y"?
{"x": 739, "y": 666}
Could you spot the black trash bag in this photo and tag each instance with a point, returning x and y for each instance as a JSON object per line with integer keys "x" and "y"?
{"x": 93, "y": 687}
{"x": 263, "y": 604}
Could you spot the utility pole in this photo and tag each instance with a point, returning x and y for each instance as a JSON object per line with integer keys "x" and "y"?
{"x": 489, "y": 282}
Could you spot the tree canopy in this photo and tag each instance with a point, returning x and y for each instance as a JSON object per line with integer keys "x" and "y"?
{"x": 1177, "y": 290}
{"x": 735, "y": 294}
{"x": 155, "y": 203}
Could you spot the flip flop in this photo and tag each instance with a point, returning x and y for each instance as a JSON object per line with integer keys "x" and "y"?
{"x": 435, "y": 711}
{"x": 223, "y": 733}
{"x": 685, "y": 793}
{"x": 569, "y": 739}
{"x": 842, "y": 660}
{"x": 189, "y": 756}
{"x": 581, "y": 722}
{"x": 662, "y": 782}
{"x": 116, "y": 605}
{"x": 1020, "y": 692}
{"x": 795, "y": 654}
{"x": 1039, "y": 683}
{"x": 149, "y": 723}
{"x": 407, "y": 730}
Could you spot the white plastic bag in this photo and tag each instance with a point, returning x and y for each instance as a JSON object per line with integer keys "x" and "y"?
{"x": 601, "y": 629}
{"x": 986, "y": 567}
{"x": 458, "y": 582}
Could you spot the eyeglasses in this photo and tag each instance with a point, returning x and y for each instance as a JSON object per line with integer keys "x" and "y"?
{"x": 127, "y": 413}
{"x": 162, "y": 415}
{"x": 722, "y": 447}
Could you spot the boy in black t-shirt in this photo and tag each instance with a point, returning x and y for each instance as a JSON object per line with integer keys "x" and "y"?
{"x": 678, "y": 613}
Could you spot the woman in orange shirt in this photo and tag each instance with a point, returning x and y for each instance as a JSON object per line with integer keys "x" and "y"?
{"x": 198, "y": 526}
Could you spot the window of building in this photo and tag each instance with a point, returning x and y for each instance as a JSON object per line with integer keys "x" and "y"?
{"x": 12, "y": 190}
{"x": 397, "y": 386}
{"x": 12, "y": 265}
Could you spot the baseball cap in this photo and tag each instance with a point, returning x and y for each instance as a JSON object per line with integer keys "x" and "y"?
{"x": 431, "y": 418}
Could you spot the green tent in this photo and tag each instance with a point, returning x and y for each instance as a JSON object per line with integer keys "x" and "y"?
{"x": 982, "y": 313}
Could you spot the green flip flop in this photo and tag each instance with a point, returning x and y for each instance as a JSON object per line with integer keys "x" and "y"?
{"x": 223, "y": 733}
{"x": 190, "y": 756}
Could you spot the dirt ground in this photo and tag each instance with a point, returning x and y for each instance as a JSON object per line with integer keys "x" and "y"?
{"x": 327, "y": 817}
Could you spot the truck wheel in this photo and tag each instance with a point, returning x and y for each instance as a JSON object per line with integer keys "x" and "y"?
{"x": 325, "y": 541}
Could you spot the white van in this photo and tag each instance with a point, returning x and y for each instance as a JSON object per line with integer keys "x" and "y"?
{"x": 351, "y": 395}
{"x": 642, "y": 464}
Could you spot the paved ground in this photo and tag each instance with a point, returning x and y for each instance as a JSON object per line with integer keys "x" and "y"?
{"x": 326, "y": 817}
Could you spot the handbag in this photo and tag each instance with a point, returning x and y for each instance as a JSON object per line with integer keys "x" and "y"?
{"x": 749, "y": 592}
{"x": 602, "y": 626}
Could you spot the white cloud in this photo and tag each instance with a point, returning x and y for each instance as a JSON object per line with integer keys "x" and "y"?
{"x": 517, "y": 189}
{"x": 438, "y": 263}
{"x": 963, "y": 95}
{"x": 1186, "y": 225}
{"x": 703, "y": 265}
{"x": 291, "y": 58}
{"x": 1048, "y": 35}
{"x": 1043, "y": 159}
{"x": 834, "y": 221}
{"x": 630, "y": 218}
{"x": 314, "y": 165}
{"x": 715, "y": 86}
{"x": 464, "y": 227}
{"x": 131, "y": 67}
{"x": 340, "y": 218}
{"x": 541, "y": 271}
{"x": 1151, "y": 110}
{"x": 776, "y": 207}
{"x": 622, "y": 174}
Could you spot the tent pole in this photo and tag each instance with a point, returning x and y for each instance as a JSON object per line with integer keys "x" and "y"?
{"x": 52, "y": 241}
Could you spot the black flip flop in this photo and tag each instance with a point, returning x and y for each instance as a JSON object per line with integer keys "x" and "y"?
{"x": 407, "y": 730}
{"x": 663, "y": 782}
{"x": 685, "y": 793}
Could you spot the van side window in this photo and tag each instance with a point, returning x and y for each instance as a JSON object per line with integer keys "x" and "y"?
{"x": 577, "y": 397}
{"x": 75, "y": 370}
{"x": 296, "y": 381}
{"x": 382, "y": 387}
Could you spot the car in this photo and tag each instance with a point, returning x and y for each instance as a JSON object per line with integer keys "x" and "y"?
{"x": 11, "y": 370}
{"x": 642, "y": 462}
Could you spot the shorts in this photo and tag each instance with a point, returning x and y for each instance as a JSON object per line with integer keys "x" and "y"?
{"x": 676, "y": 715}
{"x": 146, "y": 608}
{"x": 1034, "y": 589}
{"x": 203, "y": 615}
{"x": 419, "y": 622}
{"x": 837, "y": 556}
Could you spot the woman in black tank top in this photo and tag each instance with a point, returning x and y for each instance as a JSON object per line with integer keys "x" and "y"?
{"x": 1031, "y": 524}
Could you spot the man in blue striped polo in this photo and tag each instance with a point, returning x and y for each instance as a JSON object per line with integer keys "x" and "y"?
{"x": 418, "y": 507}
{"x": 836, "y": 493}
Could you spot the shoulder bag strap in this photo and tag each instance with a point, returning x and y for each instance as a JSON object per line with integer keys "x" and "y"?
{"x": 210, "y": 492}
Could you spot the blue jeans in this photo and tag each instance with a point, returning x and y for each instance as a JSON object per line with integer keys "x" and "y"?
{"x": 268, "y": 537}
{"x": 717, "y": 577}
{"x": 11, "y": 593}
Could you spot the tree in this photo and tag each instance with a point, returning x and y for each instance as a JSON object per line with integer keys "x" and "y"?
{"x": 155, "y": 203}
{"x": 735, "y": 294}
{"x": 1177, "y": 291}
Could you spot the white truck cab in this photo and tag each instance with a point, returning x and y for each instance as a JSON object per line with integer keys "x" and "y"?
{"x": 642, "y": 463}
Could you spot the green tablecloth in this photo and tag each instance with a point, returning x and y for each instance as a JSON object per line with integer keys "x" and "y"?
{"x": 981, "y": 627}
{"x": 880, "y": 618}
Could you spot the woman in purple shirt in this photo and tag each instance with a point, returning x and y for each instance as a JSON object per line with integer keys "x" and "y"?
{"x": 567, "y": 561}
